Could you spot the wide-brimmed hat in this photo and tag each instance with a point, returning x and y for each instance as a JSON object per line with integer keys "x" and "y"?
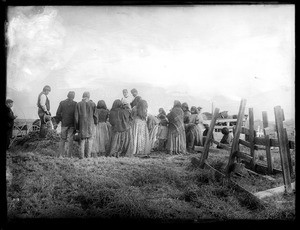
{"x": 47, "y": 118}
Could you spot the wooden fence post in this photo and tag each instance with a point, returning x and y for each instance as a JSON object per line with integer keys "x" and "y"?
{"x": 208, "y": 137}
{"x": 235, "y": 142}
{"x": 267, "y": 140}
{"x": 288, "y": 151}
{"x": 251, "y": 137}
{"x": 279, "y": 118}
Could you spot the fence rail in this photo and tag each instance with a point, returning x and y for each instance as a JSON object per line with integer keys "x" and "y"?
{"x": 254, "y": 143}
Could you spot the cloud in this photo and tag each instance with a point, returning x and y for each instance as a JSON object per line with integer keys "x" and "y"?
{"x": 35, "y": 42}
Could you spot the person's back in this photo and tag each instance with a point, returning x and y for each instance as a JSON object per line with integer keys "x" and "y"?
{"x": 85, "y": 111}
{"x": 84, "y": 116}
{"x": 121, "y": 141}
{"x": 85, "y": 123}
{"x": 66, "y": 114}
{"x": 175, "y": 118}
{"x": 176, "y": 143}
{"x": 119, "y": 118}
{"x": 66, "y": 111}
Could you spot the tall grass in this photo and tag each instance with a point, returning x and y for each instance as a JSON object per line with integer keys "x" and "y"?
{"x": 166, "y": 189}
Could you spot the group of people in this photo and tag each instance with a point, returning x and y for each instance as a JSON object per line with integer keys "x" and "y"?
{"x": 126, "y": 129}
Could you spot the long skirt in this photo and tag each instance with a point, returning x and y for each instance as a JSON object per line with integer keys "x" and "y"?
{"x": 176, "y": 143}
{"x": 200, "y": 129}
{"x": 153, "y": 137}
{"x": 121, "y": 144}
{"x": 101, "y": 143}
{"x": 163, "y": 132}
{"x": 141, "y": 141}
{"x": 193, "y": 137}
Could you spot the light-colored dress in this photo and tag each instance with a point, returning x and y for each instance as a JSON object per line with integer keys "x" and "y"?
{"x": 197, "y": 119}
{"x": 140, "y": 134}
{"x": 153, "y": 125}
{"x": 102, "y": 137}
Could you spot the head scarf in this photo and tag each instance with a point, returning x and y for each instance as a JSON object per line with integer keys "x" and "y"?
{"x": 185, "y": 106}
{"x": 177, "y": 103}
{"x": 117, "y": 104}
{"x": 162, "y": 111}
{"x": 101, "y": 105}
{"x": 194, "y": 110}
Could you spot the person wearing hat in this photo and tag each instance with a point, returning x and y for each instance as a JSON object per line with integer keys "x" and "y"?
{"x": 66, "y": 114}
{"x": 10, "y": 121}
{"x": 85, "y": 123}
{"x": 43, "y": 105}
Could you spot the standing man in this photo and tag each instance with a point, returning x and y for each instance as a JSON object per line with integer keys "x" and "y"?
{"x": 10, "y": 121}
{"x": 134, "y": 93}
{"x": 43, "y": 104}
{"x": 66, "y": 114}
{"x": 85, "y": 121}
{"x": 124, "y": 99}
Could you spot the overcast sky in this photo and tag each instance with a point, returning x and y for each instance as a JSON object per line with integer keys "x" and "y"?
{"x": 200, "y": 54}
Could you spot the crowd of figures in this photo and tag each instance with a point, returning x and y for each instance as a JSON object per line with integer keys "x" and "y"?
{"x": 126, "y": 129}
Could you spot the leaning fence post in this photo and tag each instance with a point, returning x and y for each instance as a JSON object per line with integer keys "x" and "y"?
{"x": 251, "y": 137}
{"x": 208, "y": 137}
{"x": 237, "y": 131}
{"x": 267, "y": 142}
{"x": 279, "y": 118}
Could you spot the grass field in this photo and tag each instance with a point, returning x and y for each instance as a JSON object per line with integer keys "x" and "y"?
{"x": 160, "y": 189}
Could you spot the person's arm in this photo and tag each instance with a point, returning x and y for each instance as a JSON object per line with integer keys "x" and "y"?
{"x": 76, "y": 115}
{"x": 59, "y": 112}
{"x": 95, "y": 114}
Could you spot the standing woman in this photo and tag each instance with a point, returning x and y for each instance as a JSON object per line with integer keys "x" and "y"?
{"x": 201, "y": 121}
{"x": 101, "y": 144}
{"x": 121, "y": 136}
{"x": 152, "y": 124}
{"x": 196, "y": 119}
{"x": 186, "y": 113}
{"x": 176, "y": 143}
{"x": 140, "y": 132}
{"x": 162, "y": 130}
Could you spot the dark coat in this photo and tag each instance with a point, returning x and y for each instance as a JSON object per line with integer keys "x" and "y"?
{"x": 10, "y": 120}
{"x": 85, "y": 118}
{"x": 175, "y": 118}
{"x": 101, "y": 115}
{"x": 120, "y": 119}
{"x": 66, "y": 113}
